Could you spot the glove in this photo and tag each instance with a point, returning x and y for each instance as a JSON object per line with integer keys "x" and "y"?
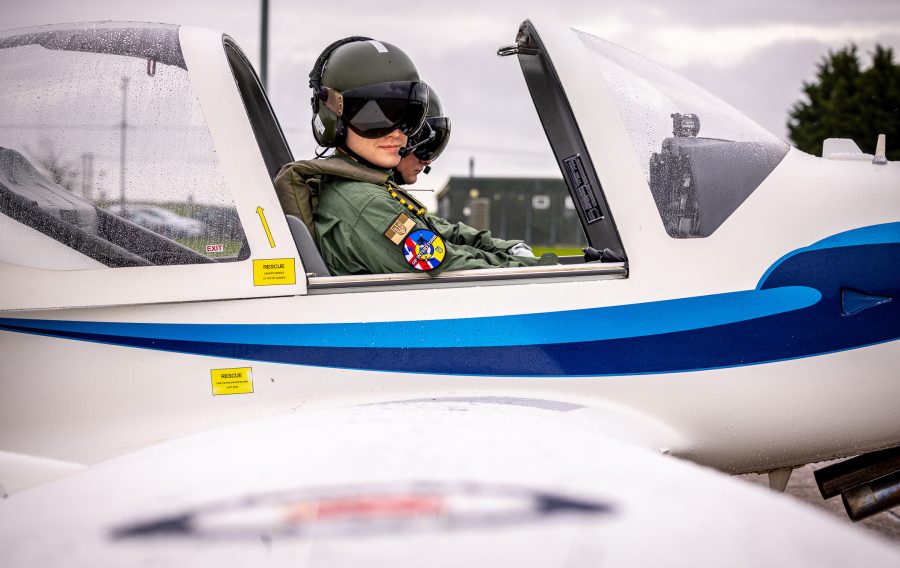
{"x": 606, "y": 255}
{"x": 520, "y": 249}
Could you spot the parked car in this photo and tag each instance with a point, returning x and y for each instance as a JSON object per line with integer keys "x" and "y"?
{"x": 225, "y": 219}
{"x": 160, "y": 220}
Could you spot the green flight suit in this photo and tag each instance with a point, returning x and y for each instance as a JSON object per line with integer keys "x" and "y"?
{"x": 353, "y": 216}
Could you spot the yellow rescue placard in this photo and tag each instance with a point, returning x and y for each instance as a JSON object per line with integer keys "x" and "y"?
{"x": 232, "y": 381}
{"x": 274, "y": 271}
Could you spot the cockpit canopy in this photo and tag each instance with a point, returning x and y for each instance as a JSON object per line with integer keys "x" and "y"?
{"x": 701, "y": 157}
{"x": 104, "y": 148}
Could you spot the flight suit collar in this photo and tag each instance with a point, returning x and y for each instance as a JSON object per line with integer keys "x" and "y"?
{"x": 352, "y": 157}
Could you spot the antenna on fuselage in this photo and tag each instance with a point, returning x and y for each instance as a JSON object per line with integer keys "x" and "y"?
{"x": 880, "y": 152}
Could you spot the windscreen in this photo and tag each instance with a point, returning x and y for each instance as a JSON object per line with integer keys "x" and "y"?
{"x": 104, "y": 148}
{"x": 701, "y": 157}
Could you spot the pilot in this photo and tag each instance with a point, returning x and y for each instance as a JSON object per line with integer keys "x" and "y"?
{"x": 421, "y": 150}
{"x": 367, "y": 101}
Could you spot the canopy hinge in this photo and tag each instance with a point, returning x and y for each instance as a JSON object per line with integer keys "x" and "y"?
{"x": 517, "y": 49}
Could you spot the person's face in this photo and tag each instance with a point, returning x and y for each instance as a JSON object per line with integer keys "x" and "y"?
{"x": 383, "y": 152}
{"x": 410, "y": 167}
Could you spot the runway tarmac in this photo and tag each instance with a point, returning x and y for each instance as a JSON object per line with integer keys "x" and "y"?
{"x": 802, "y": 486}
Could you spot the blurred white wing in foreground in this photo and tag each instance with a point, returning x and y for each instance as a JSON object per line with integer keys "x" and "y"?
{"x": 444, "y": 482}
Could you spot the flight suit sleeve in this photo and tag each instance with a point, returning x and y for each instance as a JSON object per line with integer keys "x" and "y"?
{"x": 464, "y": 257}
{"x": 367, "y": 241}
{"x": 378, "y": 254}
{"x": 462, "y": 234}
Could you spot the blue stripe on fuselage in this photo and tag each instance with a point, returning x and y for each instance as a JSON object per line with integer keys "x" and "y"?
{"x": 888, "y": 233}
{"x": 575, "y": 326}
{"x": 794, "y": 312}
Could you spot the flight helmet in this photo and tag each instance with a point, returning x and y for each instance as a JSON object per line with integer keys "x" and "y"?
{"x": 428, "y": 143}
{"x": 369, "y": 86}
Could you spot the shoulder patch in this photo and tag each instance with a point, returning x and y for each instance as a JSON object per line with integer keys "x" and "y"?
{"x": 401, "y": 227}
{"x": 424, "y": 250}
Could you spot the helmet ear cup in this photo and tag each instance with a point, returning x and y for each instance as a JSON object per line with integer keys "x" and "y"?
{"x": 328, "y": 129}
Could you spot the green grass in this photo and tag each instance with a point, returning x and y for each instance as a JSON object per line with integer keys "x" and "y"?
{"x": 183, "y": 209}
{"x": 559, "y": 251}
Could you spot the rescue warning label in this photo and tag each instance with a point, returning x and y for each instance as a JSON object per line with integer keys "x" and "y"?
{"x": 274, "y": 271}
{"x": 232, "y": 381}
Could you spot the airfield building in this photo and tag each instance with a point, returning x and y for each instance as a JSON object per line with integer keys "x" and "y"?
{"x": 538, "y": 210}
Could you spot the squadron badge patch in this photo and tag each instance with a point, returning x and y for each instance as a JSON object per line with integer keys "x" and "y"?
{"x": 424, "y": 250}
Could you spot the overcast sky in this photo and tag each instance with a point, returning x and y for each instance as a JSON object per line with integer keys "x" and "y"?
{"x": 754, "y": 55}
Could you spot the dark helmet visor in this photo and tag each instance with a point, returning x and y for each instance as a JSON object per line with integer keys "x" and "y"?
{"x": 431, "y": 149}
{"x": 373, "y": 111}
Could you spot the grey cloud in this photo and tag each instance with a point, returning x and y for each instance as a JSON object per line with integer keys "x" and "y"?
{"x": 770, "y": 81}
{"x": 492, "y": 112}
{"x": 486, "y": 97}
{"x": 700, "y": 12}
{"x": 573, "y": 11}
{"x": 714, "y": 12}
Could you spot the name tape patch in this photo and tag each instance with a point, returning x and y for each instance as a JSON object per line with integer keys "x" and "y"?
{"x": 401, "y": 227}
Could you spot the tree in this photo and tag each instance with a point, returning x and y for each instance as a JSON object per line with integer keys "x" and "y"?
{"x": 846, "y": 101}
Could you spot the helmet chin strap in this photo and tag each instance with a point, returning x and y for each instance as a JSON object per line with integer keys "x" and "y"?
{"x": 406, "y": 150}
{"x": 426, "y": 170}
{"x": 346, "y": 149}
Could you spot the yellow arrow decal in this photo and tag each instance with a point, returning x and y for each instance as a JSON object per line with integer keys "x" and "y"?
{"x": 262, "y": 217}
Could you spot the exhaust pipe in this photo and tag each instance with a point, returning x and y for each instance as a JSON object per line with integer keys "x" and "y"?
{"x": 868, "y": 484}
{"x": 837, "y": 478}
{"x": 873, "y": 498}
